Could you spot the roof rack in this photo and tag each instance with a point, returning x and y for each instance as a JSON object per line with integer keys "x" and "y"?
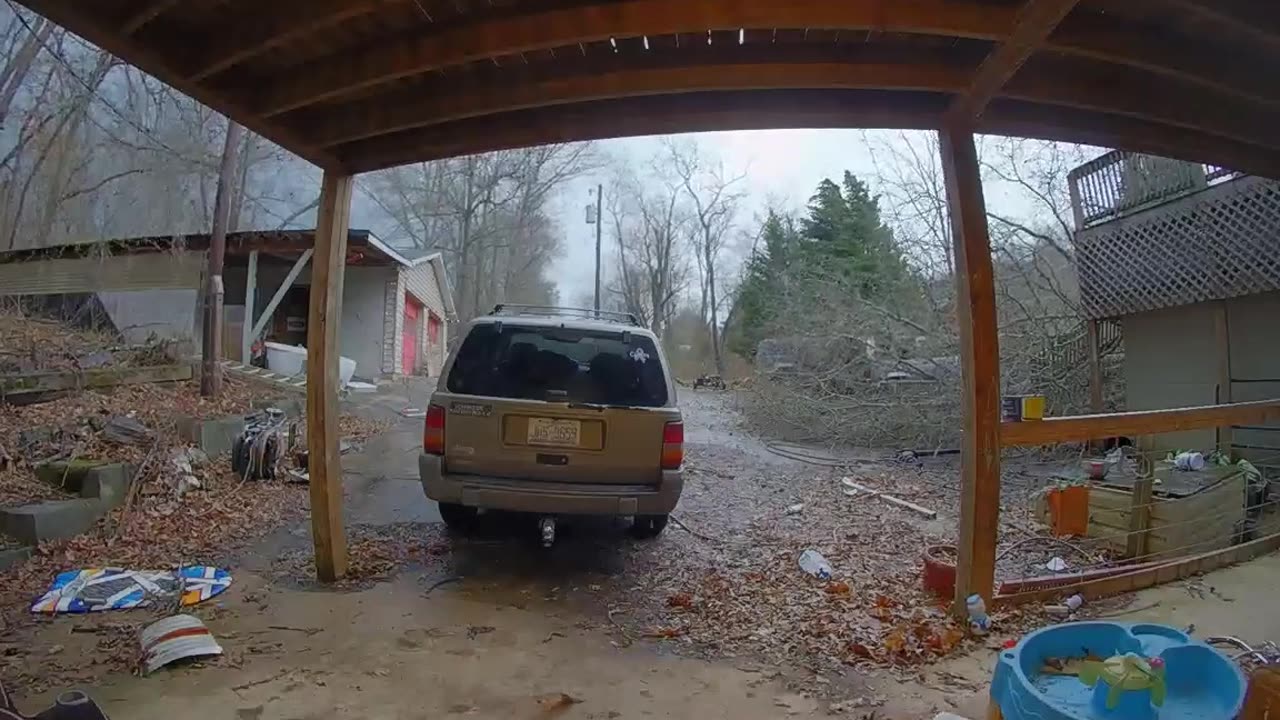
{"x": 570, "y": 312}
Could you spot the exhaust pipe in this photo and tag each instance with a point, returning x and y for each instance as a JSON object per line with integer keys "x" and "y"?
{"x": 547, "y": 528}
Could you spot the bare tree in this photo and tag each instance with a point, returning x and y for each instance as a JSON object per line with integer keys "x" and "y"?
{"x": 714, "y": 196}
{"x": 488, "y": 213}
{"x": 650, "y": 222}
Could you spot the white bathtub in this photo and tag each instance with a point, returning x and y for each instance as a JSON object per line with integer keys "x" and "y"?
{"x": 292, "y": 360}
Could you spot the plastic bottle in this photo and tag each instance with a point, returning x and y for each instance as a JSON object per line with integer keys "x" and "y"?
{"x": 979, "y": 622}
{"x": 812, "y": 562}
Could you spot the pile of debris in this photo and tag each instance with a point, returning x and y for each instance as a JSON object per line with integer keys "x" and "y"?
{"x": 728, "y": 579}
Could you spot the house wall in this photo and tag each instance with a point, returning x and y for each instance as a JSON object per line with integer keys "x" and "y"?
{"x": 360, "y": 331}
{"x": 1171, "y": 360}
{"x": 1254, "y": 326}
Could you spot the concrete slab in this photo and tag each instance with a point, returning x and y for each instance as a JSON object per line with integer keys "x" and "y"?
{"x": 51, "y": 520}
{"x": 215, "y": 436}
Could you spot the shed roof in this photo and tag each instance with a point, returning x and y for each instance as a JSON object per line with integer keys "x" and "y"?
{"x": 363, "y": 247}
{"x": 358, "y": 85}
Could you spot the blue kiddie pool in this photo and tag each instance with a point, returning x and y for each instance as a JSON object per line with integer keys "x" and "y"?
{"x": 1115, "y": 671}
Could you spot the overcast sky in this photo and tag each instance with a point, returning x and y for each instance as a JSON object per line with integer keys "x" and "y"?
{"x": 782, "y": 167}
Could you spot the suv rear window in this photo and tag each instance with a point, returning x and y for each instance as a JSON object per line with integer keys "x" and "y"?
{"x": 560, "y": 365}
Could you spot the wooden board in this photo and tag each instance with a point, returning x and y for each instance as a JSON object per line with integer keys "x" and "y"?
{"x": 1140, "y": 422}
{"x": 1149, "y": 575}
{"x": 14, "y": 387}
{"x": 1199, "y": 522}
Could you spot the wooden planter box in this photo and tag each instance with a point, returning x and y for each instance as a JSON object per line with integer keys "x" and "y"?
{"x": 1138, "y": 524}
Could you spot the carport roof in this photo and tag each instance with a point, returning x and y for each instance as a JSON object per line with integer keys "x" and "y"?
{"x": 357, "y": 85}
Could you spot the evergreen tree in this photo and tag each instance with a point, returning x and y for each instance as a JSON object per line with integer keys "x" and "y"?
{"x": 842, "y": 238}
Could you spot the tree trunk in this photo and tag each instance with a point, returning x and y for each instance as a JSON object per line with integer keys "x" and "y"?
{"x": 211, "y": 372}
{"x": 12, "y": 77}
{"x": 715, "y": 322}
{"x": 237, "y": 204}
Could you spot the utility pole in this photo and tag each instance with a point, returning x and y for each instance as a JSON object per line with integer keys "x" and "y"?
{"x": 599, "y": 226}
{"x": 211, "y": 350}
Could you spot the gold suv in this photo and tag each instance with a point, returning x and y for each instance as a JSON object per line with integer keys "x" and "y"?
{"x": 554, "y": 411}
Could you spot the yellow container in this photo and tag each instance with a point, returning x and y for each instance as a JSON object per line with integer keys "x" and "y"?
{"x": 1016, "y": 408}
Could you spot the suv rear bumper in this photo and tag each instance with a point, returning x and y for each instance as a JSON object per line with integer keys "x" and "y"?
{"x": 536, "y": 496}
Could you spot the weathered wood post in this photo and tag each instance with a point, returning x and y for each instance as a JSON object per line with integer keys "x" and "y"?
{"x": 980, "y": 361}
{"x": 324, "y": 463}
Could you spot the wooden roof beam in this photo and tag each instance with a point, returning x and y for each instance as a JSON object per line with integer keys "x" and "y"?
{"x": 1110, "y": 38}
{"x": 753, "y": 69}
{"x": 280, "y": 22}
{"x": 510, "y": 31}
{"x": 696, "y": 112}
{"x": 1080, "y": 84}
{"x": 1035, "y": 21}
{"x": 1100, "y": 87}
{"x": 150, "y": 12}
{"x": 502, "y": 33}
{"x": 1257, "y": 21}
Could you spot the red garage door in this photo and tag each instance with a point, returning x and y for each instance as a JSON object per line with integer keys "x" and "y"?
{"x": 409, "y": 337}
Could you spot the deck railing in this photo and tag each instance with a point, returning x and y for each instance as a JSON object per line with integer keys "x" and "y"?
{"x": 1119, "y": 182}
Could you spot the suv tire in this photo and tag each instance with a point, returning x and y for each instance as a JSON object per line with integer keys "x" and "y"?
{"x": 458, "y": 518}
{"x": 648, "y": 526}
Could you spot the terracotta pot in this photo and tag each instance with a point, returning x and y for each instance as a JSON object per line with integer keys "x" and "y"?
{"x": 940, "y": 570}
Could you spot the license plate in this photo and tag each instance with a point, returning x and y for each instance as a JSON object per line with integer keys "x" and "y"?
{"x": 546, "y": 431}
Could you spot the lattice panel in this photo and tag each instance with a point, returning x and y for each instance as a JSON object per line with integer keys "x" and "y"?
{"x": 1219, "y": 243}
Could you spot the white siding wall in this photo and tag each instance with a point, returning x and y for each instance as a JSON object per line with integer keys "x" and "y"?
{"x": 360, "y": 334}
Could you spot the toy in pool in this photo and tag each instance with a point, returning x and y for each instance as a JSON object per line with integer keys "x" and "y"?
{"x": 1115, "y": 671}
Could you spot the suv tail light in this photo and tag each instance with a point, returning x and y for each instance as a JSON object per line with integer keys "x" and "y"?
{"x": 433, "y": 431}
{"x": 672, "y": 445}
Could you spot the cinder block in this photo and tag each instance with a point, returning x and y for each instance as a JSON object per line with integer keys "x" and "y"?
{"x": 107, "y": 483}
{"x": 69, "y": 476}
{"x": 214, "y": 437}
{"x": 51, "y": 520}
{"x": 13, "y": 556}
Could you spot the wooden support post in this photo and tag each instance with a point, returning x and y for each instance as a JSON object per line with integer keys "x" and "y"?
{"x": 1139, "y": 517}
{"x": 1222, "y": 342}
{"x": 1095, "y": 374}
{"x": 298, "y": 266}
{"x": 250, "y": 292}
{"x": 980, "y": 360}
{"x": 1095, "y": 368}
{"x": 324, "y": 463}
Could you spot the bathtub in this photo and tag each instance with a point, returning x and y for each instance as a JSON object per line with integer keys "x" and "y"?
{"x": 292, "y": 360}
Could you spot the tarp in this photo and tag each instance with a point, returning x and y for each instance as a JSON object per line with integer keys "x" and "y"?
{"x": 96, "y": 589}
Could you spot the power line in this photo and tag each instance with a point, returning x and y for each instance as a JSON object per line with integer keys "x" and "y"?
{"x": 93, "y": 92}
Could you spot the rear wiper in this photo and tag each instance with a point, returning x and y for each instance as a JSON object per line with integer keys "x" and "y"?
{"x": 588, "y": 406}
{"x": 600, "y": 406}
